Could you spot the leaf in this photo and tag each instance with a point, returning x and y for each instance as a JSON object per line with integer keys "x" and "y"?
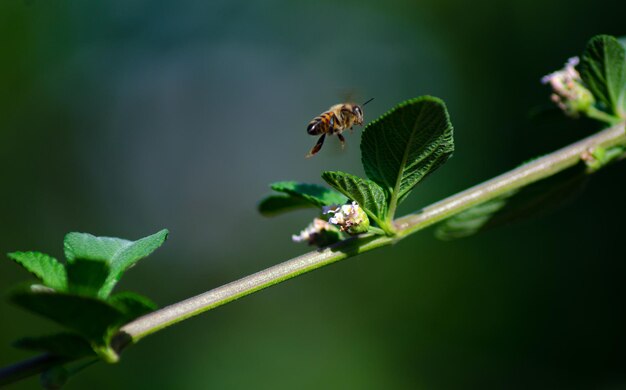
{"x": 369, "y": 195}
{"x": 86, "y": 277}
{"x": 128, "y": 256}
{"x": 89, "y": 317}
{"x": 60, "y": 344}
{"x": 278, "y": 204}
{"x": 315, "y": 194}
{"x": 89, "y": 247}
{"x": 133, "y": 305}
{"x": 118, "y": 253}
{"x": 46, "y": 268}
{"x": 603, "y": 69}
{"x": 405, "y": 145}
{"x": 470, "y": 221}
{"x": 538, "y": 198}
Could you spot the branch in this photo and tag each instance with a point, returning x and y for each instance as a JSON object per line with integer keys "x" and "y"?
{"x": 517, "y": 178}
{"x": 29, "y": 367}
{"x": 526, "y": 174}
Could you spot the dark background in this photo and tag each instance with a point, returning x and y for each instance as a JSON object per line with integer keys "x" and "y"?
{"x": 123, "y": 117}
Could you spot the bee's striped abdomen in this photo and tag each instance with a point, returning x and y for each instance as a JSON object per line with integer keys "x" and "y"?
{"x": 322, "y": 124}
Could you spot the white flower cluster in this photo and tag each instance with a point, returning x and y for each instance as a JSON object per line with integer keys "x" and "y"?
{"x": 349, "y": 217}
{"x": 568, "y": 91}
{"x": 312, "y": 233}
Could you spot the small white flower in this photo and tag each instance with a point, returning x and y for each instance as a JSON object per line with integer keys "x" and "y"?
{"x": 319, "y": 232}
{"x": 569, "y": 73}
{"x": 350, "y": 217}
{"x": 568, "y": 91}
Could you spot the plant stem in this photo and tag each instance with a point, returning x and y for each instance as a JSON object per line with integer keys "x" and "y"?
{"x": 522, "y": 176}
{"x": 177, "y": 312}
{"x": 375, "y": 230}
{"x": 29, "y": 367}
{"x": 526, "y": 174}
{"x": 531, "y": 172}
{"x": 602, "y": 116}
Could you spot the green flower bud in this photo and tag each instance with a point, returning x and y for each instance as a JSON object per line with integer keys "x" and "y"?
{"x": 350, "y": 218}
{"x": 569, "y": 93}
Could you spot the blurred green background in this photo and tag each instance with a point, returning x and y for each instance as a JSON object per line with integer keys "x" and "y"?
{"x": 123, "y": 117}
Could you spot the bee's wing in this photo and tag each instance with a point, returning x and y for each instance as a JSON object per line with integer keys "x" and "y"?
{"x": 348, "y": 94}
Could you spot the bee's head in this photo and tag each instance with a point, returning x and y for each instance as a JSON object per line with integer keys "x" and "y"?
{"x": 358, "y": 112}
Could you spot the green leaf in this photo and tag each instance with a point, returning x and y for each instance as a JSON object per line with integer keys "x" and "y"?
{"x": 89, "y": 247}
{"x": 366, "y": 193}
{"x": 538, "y": 198}
{"x": 118, "y": 253}
{"x": 470, "y": 221}
{"x": 603, "y": 69}
{"x": 405, "y": 145}
{"x": 86, "y": 277}
{"x": 278, "y": 204}
{"x": 60, "y": 344}
{"x": 89, "y": 317}
{"x": 315, "y": 194}
{"x": 46, "y": 268}
{"x": 128, "y": 256}
{"x": 133, "y": 305}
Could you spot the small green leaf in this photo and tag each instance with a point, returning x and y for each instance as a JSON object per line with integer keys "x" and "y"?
{"x": 130, "y": 255}
{"x": 60, "y": 344}
{"x": 538, "y": 198}
{"x": 366, "y": 193}
{"x": 405, "y": 145}
{"x": 89, "y": 247}
{"x": 46, "y": 268}
{"x": 278, "y": 204}
{"x": 603, "y": 69}
{"x": 601, "y": 157}
{"x": 86, "y": 277}
{"x": 315, "y": 194}
{"x": 118, "y": 253}
{"x": 470, "y": 221}
{"x": 133, "y": 305}
{"x": 89, "y": 317}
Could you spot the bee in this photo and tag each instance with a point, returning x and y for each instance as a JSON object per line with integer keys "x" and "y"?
{"x": 334, "y": 121}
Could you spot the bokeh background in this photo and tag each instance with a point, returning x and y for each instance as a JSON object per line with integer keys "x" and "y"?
{"x": 123, "y": 117}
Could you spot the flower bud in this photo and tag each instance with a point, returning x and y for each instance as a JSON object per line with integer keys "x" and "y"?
{"x": 569, "y": 93}
{"x": 350, "y": 218}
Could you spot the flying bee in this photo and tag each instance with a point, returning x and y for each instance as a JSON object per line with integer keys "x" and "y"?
{"x": 334, "y": 121}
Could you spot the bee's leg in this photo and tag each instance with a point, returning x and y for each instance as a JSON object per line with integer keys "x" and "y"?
{"x": 317, "y": 146}
{"x": 342, "y": 140}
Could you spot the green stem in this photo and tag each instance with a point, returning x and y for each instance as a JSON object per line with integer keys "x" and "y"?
{"x": 30, "y": 367}
{"x": 602, "y": 116}
{"x": 526, "y": 174}
{"x": 177, "y": 312}
{"x": 522, "y": 176}
{"x": 384, "y": 227}
{"x": 375, "y": 230}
